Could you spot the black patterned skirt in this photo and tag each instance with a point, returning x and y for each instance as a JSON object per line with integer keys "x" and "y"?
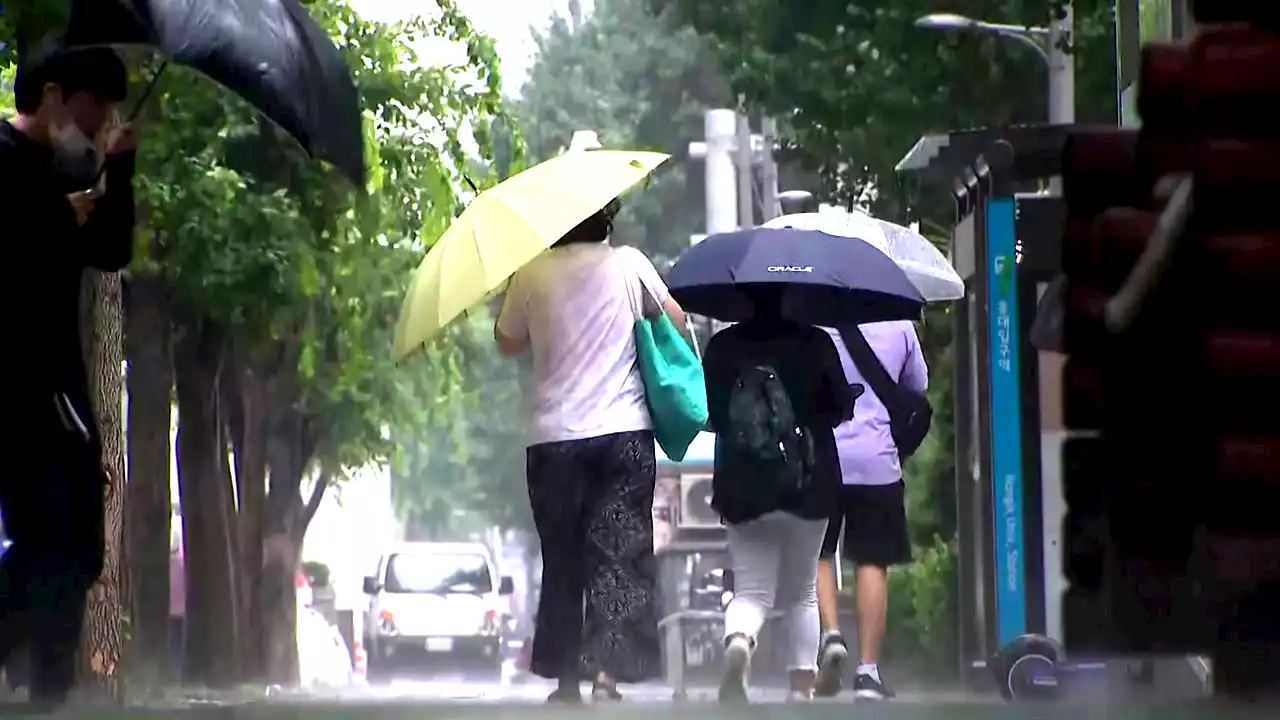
{"x": 592, "y": 502}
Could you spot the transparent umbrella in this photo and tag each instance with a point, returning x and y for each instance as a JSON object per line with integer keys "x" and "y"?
{"x": 925, "y": 265}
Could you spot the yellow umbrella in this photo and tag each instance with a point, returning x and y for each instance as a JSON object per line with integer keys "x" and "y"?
{"x": 507, "y": 226}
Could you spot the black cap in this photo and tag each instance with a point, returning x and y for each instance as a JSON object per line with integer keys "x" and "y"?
{"x": 95, "y": 70}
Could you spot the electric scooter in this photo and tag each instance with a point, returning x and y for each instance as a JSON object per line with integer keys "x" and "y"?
{"x": 1035, "y": 667}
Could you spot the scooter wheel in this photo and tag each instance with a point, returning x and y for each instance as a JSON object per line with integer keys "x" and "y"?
{"x": 1027, "y": 668}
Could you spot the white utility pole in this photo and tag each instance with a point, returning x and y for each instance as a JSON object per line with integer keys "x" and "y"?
{"x": 1062, "y": 71}
{"x": 731, "y": 152}
{"x": 744, "y": 157}
{"x": 717, "y": 152}
{"x": 769, "y": 170}
{"x": 1061, "y": 61}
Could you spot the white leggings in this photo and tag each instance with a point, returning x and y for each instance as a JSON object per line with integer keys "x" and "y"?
{"x": 775, "y": 564}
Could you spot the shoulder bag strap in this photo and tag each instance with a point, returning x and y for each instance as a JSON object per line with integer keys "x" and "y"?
{"x": 637, "y": 294}
{"x": 631, "y": 281}
{"x": 864, "y": 358}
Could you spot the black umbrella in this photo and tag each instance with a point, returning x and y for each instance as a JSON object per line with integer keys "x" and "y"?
{"x": 269, "y": 52}
{"x": 827, "y": 280}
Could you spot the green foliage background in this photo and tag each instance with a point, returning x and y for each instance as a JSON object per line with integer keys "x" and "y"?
{"x": 304, "y": 271}
{"x": 281, "y": 276}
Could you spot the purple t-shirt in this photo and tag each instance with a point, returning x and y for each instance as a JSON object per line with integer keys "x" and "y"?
{"x": 868, "y": 455}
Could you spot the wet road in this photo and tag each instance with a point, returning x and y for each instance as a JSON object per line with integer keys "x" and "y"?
{"x": 529, "y": 709}
{"x": 456, "y": 697}
{"x": 459, "y": 698}
{"x": 534, "y": 691}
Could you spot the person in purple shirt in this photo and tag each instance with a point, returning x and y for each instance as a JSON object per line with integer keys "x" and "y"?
{"x": 871, "y": 511}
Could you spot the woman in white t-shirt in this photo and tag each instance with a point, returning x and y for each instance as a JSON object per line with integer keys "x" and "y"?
{"x": 590, "y": 462}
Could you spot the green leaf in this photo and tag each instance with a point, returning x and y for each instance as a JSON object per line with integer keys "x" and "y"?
{"x": 304, "y": 272}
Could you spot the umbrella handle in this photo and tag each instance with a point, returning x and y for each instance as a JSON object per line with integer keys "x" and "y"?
{"x": 146, "y": 92}
{"x": 1123, "y": 308}
{"x": 137, "y": 109}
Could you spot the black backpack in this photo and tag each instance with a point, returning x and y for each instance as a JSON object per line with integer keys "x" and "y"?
{"x": 764, "y": 454}
{"x": 910, "y": 414}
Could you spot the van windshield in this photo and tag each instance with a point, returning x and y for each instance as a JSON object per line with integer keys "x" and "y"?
{"x": 438, "y": 573}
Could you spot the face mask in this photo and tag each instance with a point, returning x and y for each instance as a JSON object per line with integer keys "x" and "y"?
{"x": 76, "y": 154}
{"x": 70, "y": 139}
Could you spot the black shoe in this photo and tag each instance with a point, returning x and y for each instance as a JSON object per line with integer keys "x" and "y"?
{"x": 831, "y": 659}
{"x": 866, "y": 687}
{"x": 565, "y": 696}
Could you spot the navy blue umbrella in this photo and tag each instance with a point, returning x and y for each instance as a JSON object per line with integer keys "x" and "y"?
{"x": 827, "y": 280}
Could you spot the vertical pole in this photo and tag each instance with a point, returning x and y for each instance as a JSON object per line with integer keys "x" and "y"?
{"x": 722, "y": 209}
{"x": 769, "y": 169}
{"x": 968, "y": 498}
{"x": 746, "y": 205}
{"x": 1181, "y": 22}
{"x": 1062, "y": 75}
{"x": 1062, "y": 111}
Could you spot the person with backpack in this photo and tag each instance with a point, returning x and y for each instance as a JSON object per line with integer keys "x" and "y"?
{"x": 775, "y": 392}
{"x": 888, "y": 425}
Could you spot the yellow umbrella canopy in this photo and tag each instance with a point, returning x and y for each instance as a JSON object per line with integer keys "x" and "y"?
{"x": 507, "y": 226}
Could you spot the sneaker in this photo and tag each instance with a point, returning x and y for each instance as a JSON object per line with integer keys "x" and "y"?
{"x": 602, "y": 694}
{"x": 831, "y": 659}
{"x": 737, "y": 659}
{"x": 866, "y": 687}
{"x": 604, "y": 689}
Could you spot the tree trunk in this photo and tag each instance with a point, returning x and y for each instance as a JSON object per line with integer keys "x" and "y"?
{"x": 148, "y": 509}
{"x": 100, "y": 645}
{"x": 245, "y": 400}
{"x": 211, "y": 656}
{"x": 279, "y": 602}
{"x": 289, "y": 453}
{"x": 279, "y": 591}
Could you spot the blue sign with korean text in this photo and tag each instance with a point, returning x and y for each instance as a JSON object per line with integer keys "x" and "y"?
{"x": 1006, "y": 421}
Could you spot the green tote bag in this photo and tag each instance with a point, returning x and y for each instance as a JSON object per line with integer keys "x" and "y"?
{"x": 674, "y": 387}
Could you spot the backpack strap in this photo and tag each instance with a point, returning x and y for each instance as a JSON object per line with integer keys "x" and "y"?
{"x": 873, "y": 371}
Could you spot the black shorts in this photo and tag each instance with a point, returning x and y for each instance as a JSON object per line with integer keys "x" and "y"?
{"x": 874, "y": 518}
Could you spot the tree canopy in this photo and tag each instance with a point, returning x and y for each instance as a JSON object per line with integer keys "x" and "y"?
{"x": 283, "y": 283}
{"x": 474, "y": 469}
{"x": 301, "y": 276}
{"x": 642, "y": 85}
{"x": 303, "y": 270}
{"x": 23, "y": 19}
{"x": 854, "y": 85}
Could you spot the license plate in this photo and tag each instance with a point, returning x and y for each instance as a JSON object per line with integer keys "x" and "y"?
{"x": 440, "y": 644}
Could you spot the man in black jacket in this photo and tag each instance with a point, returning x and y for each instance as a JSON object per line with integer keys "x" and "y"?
{"x": 61, "y": 216}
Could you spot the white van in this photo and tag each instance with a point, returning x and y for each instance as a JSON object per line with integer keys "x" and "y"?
{"x": 432, "y": 604}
